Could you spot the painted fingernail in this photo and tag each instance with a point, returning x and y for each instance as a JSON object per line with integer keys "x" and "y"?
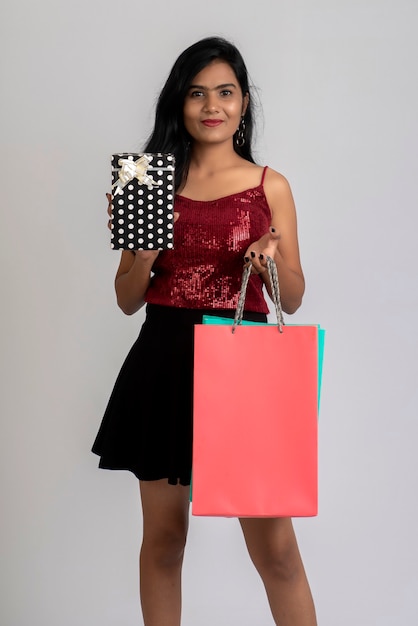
{"x": 273, "y": 230}
{"x": 261, "y": 257}
{"x": 247, "y": 259}
{"x": 252, "y": 254}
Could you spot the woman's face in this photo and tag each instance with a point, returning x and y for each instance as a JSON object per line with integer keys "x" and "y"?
{"x": 214, "y": 104}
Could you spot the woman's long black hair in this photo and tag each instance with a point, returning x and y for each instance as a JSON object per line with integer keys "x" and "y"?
{"x": 169, "y": 134}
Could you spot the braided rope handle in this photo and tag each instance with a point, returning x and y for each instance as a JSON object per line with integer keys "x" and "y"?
{"x": 275, "y": 292}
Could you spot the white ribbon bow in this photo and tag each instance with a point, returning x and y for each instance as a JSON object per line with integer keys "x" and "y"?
{"x": 134, "y": 169}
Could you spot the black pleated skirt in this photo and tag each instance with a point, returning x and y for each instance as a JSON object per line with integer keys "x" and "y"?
{"x": 147, "y": 427}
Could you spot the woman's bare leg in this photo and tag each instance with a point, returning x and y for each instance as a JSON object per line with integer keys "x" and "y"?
{"x": 165, "y": 510}
{"x": 274, "y": 551}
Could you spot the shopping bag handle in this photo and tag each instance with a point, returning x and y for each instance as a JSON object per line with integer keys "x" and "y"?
{"x": 275, "y": 292}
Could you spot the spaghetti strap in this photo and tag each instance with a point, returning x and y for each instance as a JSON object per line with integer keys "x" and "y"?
{"x": 264, "y": 174}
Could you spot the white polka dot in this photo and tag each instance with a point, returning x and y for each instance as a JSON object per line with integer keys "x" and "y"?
{"x": 131, "y": 236}
{"x": 169, "y": 177}
{"x": 130, "y": 207}
{"x": 169, "y": 225}
{"x": 130, "y": 197}
{"x": 121, "y": 221}
{"x": 160, "y": 240}
{"x": 170, "y": 245}
{"x": 170, "y": 235}
{"x": 160, "y": 221}
{"x": 140, "y": 240}
{"x": 130, "y": 216}
{"x": 140, "y": 221}
{"x": 169, "y": 187}
{"x": 160, "y": 202}
{"x": 120, "y": 201}
{"x": 120, "y": 231}
{"x": 150, "y": 206}
{"x": 130, "y": 245}
{"x": 130, "y": 187}
{"x": 160, "y": 231}
{"x": 140, "y": 201}
{"x": 150, "y": 235}
{"x": 150, "y": 196}
{"x": 140, "y": 192}
{"x": 169, "y": 206}
{"x": 170, "y": 196}
{"x": 130, "y": 225}
{"x": 120, "y": 240}
{"x": 121, "y": 211}
{"x": 150, "y": 226}
{"x": 160, "y": 211}
{"x": 160, "y": 192}
{"x": 160, "y": 163}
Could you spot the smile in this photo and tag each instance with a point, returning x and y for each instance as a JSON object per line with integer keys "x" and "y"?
{"x": 211, "y": 123}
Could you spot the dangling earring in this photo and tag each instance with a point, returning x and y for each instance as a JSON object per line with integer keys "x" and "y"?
{"x": 240, "y": 138}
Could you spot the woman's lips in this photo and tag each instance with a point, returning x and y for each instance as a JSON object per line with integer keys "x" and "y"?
{"x": 211, "y": 122}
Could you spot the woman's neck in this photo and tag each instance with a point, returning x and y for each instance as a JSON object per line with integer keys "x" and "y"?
{"x": 209, "y": 159}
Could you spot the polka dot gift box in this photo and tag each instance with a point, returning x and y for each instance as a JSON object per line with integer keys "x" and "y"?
{"x": 143, "y": 201}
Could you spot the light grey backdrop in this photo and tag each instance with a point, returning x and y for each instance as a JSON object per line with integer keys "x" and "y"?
{"x": 337, "y": 80}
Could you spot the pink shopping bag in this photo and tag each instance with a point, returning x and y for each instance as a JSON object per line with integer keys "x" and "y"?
{"x": 255, "y": 421}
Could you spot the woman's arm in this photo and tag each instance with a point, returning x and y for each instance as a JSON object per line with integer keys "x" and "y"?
{"x": 134, "y": 273}
{"x": 281, "y": 243}
{"x": 133, "y": 278}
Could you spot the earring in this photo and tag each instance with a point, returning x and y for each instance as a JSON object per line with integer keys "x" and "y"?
{"x": 240, "y": 138}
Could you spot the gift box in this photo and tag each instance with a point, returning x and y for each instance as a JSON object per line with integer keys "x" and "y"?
{"x": 143, "y": 201}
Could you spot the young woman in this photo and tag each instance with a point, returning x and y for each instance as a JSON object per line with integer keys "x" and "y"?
{"x": 229, "y": 212}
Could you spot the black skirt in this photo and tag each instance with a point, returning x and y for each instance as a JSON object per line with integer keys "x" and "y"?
{"x": 147, "y": 427}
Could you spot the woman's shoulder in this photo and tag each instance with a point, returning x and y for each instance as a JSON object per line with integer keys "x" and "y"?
{"x": 266, "y": 175}
{"x": 275, "y": 179}
{"x": 277, "y": 190}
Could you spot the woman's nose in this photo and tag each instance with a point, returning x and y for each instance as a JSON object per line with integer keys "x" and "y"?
{"x": 211, "y": 103}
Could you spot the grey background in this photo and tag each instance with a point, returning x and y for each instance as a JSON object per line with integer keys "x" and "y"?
{"x": 337, "y": 82}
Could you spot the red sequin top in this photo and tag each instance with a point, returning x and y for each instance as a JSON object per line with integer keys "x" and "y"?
{"x": 204, "y": 269}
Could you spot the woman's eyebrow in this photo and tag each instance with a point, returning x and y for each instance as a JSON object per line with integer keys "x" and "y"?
{"x": 223, "y": 86}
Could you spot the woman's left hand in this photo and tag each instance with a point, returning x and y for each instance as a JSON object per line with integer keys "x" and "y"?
{"x": 258, "y": 251}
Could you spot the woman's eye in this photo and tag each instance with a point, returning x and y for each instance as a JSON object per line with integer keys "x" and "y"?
{"x": 196, "y": 94}
{"x": 226, "y": 92}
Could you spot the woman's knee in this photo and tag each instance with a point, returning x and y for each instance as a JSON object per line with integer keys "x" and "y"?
{"x": 165, "y": 517}
{"x": 273, "y": 549}
{"x": 165, "y": 546}
{"x": 282, "y": 563}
